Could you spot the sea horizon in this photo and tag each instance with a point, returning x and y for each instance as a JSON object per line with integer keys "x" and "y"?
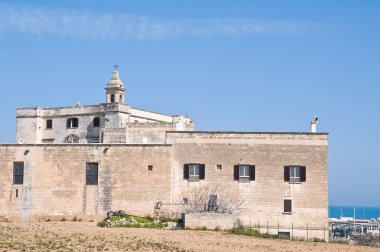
{"x": 360, "y": 212}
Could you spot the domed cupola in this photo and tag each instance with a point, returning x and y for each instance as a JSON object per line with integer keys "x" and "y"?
{"x": 115, "y": 90}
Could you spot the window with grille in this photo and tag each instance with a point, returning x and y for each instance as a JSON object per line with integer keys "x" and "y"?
{"x": 92, "y": 174}
{"x": 18, "y": 173}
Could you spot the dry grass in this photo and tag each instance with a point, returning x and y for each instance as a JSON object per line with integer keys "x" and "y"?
{"x": 86, "y": 236}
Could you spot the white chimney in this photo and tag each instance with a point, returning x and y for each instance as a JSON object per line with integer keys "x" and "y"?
{"x": 313, "y": 125}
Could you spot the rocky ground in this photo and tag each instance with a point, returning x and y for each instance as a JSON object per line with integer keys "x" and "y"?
{"x": 86, "y": 236}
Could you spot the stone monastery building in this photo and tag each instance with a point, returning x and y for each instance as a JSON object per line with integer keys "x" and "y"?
{"x": 86, "y": 160}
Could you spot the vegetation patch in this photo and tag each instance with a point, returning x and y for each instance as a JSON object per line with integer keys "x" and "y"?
{"x": 251, "y": 232}
{"x": 129, "y": 221}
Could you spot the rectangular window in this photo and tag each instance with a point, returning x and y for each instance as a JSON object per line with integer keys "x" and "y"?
{"x": 150, "y": 167}
{"x": 219, "y": 167}
{"x": 244, "y": 172}
{"x": 92, "y": 174}
{"x": 194, "y": 171}
{"x": 72, "y": 123}
{"x": 287, "y": 205}
{"x": 49, "y": 124}
{"x": 294, "y": 174}
{"x": 96, "y": 122}
{"x": 18, "y": 173}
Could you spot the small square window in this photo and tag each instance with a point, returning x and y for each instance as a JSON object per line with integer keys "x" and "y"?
{"x": 49, "y": 124}
{"x": 150, "y": 167}
{"x": 219, "y": 167}
{"x": 96, "y": 122}
{"x": 185, "y": 201}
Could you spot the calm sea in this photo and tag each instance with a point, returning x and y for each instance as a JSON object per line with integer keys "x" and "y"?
{"x": 360, "y": 212}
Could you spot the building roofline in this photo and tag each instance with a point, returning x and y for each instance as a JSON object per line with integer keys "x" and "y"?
{"x": 65, "y": 107}
{"x": 149, "y": 111}
{"x": 86, "y": 144}
{"x": 249, "y": 132}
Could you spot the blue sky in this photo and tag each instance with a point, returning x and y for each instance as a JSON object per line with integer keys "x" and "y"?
{"x": 230, "y": 65}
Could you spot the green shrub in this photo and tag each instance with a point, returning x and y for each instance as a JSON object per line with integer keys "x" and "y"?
{"x": 142, "y": 220}
{"x": 102, "y": 224}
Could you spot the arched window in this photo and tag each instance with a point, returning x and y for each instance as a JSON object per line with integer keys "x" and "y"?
{"x": 112, "y": 98}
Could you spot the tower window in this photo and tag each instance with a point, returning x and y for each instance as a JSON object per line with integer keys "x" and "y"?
{"x": 72, "y": 123}
{"x": 96, "y": 122}
{"x": 18, "y": 173}
{"x": 112, "y": 98}
{"x": 91, "y": 173}
{"x": 49, "y": 124}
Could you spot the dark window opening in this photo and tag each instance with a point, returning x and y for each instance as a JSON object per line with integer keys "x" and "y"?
{"x": 96, "y": 122}
{"x": 72, "y": 123}
{"x": 185, "y": 201}
{"x": 244, "y": 172}
{"x": 287, "y": 205}
{"x": 121, "y": 98}
{"x": 112, "y": 98}
{"x": 294, "y": 174}
{"x": 219, "y": 167}
{"x": 92, "y": 174}
{"x": 16, "y": 193}
{"x": 150, "y": 167}
{"x": 18, "y": 173}
{"x": 283, "y": 235}
{"x": 194, "y": 172}
{"x": 212, "y": 203}
{"x": 49, "y": 124}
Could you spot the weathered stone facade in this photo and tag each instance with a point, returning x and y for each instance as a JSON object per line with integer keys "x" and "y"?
{"x": 109, "y": 122}
{"x": 142, "y": 163}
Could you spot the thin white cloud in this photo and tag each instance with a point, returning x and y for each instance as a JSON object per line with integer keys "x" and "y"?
{"x": 72, "y": 23}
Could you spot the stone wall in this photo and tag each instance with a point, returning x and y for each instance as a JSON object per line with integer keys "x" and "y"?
{"x": 55, "y": 180}
{"x": 209, "y": 220}
{"x": 269, "y": 152}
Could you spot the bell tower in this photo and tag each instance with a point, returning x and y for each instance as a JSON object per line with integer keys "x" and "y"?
{"x": 115, "y": 90}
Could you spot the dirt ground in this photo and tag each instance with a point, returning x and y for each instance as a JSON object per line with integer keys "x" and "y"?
{"x": 86, "y": 236}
